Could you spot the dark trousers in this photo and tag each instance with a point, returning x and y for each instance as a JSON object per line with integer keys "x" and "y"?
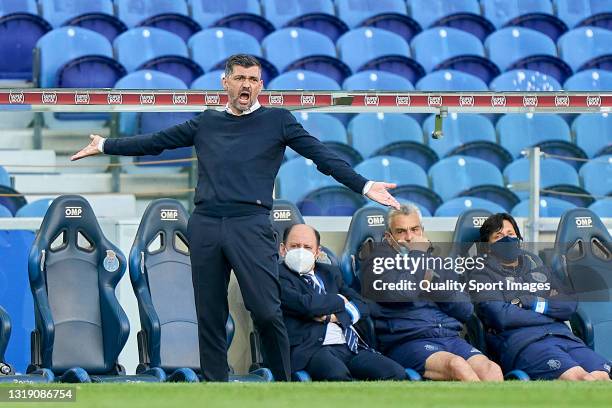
{"x": 338, "y": 363}
{"x": 246, "y": 245}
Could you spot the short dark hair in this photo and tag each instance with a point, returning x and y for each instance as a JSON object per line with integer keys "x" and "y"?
{"x": 494, "y": 223}
{"x": 243, "y": 60}
{"x": 288, "y": 231}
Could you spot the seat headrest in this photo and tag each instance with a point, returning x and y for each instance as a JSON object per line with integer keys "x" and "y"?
{"x": 367, "y": 222}
{"x": 283, "y": 215}
{"x": 163, "y": 215}
{"x": 467, "y": 228}
{"x": 580, "y": 224}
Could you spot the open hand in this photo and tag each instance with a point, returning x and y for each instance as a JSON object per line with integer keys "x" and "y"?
{"x": 90, "y": 150}
{"x": 378, "y": 192}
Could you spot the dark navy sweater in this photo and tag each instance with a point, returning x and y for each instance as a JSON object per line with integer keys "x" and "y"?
{"x": 239, "y": 157}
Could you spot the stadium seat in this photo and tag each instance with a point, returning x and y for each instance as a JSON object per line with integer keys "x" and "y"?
{"x": 449, "y": 48}
{"x": 549, "y": 207}
{"x": 524, "y": 80}
{"x": 603, "y": 208}
{"x": 590, "y": 80}
{"x": 456, "y": 206}
{"x": 470, "y": 176}
{"x": 11, "y": 199}
{"x": 296, "y": 48}
{"x": 587, "y": 48}
{"x": 317, "y": 15}
{"x": 20, "y": 30}
{"x": 467, "y": 227}
{"x": 370, "y": 48}
{"x": 211, "y": 81}
{"x": 243, "y": 15}
{"x": 36, "y": 208}
{"x": 169, "y": 15}
{"x": 323, "y": 126}
{"x": 159, "y": 50}
{"x": 461, "y": 14}
{"x": 299, "y": 176}
{"x": 331, "y": 201}
{"x": 596, "y": 175}
{"x": 160, "y": 272}
{"x": 80, "y": 325}
{"x": 5, "y": 177}
{"x": 574, "y": 13}
{"x": 306, "y": 80}
{"x": 584, "y": 250}
{"x": 593, "y": 132}
{"x": 97, "y": 16}
{"x": 376, "y": 81}
{"x": 523, "y": 48}
{"x": 385, "y": 14}
{"x": 533, "y": 14}
{"x": 450, "y": 80}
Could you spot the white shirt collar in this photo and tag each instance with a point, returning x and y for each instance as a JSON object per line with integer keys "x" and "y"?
{"x": 252, "y": 109}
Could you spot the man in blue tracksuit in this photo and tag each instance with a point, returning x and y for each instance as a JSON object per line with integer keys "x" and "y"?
{"x": 525, "y": 328}
{"x": 239, "y": 151}
{"x": 424, "y": 334}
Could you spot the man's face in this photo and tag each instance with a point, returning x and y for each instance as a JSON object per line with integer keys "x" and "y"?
{"x": 243, "y": 86}
{"x": 406, "y": 227}
{"x": 507, "y": 230}
{"x": 301, "y": 236}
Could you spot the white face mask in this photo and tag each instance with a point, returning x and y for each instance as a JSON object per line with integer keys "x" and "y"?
{"x": 300, "y": 260}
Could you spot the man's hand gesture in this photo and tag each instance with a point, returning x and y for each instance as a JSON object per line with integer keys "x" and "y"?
{"x": 378, "y": 192}
{"x": 90, "y": 150}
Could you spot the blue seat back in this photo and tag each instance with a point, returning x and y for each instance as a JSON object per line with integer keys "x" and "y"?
{"x": 59, "y": 12}
{"x": 521, "y": 130}
{"x": 297, "y": 177}
{"x": 287, "y": 45}
{"x": 499, "y": 12}
{"x": 590, "y": 80}
{"x": 603, "y": 208}
{"x": 36, "y": 208}
{"x": 361, "y": 45}
{"x": 459, "y": 205}
{"x": 210, "y": 81}
{"x": 280, "y": 12}
{"x": 427, "y": 12}
{"x": 392, "y": 170}
{"x": 510, "y": 44}
{"x": 371, "y": 80}
{"x": 552, "y": 172}
{"x": 150, "y": 42}
{"x": 323, "y": 126}
{"x": 132, "y": 12}
{"x": 596, "y": 175}
{"x": 207, "y": 12}
{"x": 525, "y": 80}
{"x": 5, "y": 332}
{"x": 73, "y": 278}
{"x": 5, "y": 177}
{"x": 306, "y": 80}
{"x": 371, "y": 131}
{"x": 354, "y": 12}
{"x": 582, "y": 44}
{"x": 438, "y": 44}
{"x": 593, "y": 132}
{"x": 211, "y": 47}
{"x": 283, "y": 215}
{"x": 18, "y": 6}
{"x": 467, "y": 228}
{"x": 451, "y": 80}
{"x": 452, "y": 175}
{"x": 459, "y": 129}
{"x": 573, "y": 12}
{"x": 331, "y": 201}
{"x": 549, "y": 207}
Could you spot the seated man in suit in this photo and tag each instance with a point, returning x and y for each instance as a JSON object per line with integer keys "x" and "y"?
{"x": 525, "y": 327}
{"x": 422, "y": 331}
{"x": 319, "y": 312}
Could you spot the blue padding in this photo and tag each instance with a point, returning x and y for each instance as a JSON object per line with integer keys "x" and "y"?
{"x": 412, "y": 375}
{"x": 519, "y": 375}
{"x": 259, "y": 375}
{"x": 183, "y": 375}
{"x": 75, "y": 375}
{"x": 301, "y": 376}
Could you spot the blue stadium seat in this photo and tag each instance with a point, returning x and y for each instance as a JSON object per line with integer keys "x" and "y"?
{"x": 298, "y": 177}
{"x": 97, "y": 16}
{"x": 602, "y": 208}
{"x": 80, "y": 326}
{"x": 587, "y": 48}
{"x": 549, "y": 207}
{"x": 331, "y": 201}
{"x": 461, "y": 14}
{"x": 524, "y": 80}
{"x": 593, "y": 132}
{"x": 20, "y": 29}
{"x": 211, "y": 81}
{"x": 523, "y": 48}
{"x": 297, "y": 48}
{"x": 11, "y": 199}
{"x": 323, "y": 126}
{"x": 160, "y": 272}
{"x": 317, "y": 15}
{"x": 159, "y": 50}
{"x": 36, "y": 208}
{"x": 596, "y": 176}
{"x": 169, "y": 15}
{"x": 385, "y": 14}
{"x": 306, "y": 80}
{"x": 5, "y": 177}
{"x": 534, "y": 14}
{"x": 590, "y": 80}
{"x": 372, "y": 48}
{"x": 583, "y": 246}
{"x": 376, "y": 80}
{"x": 457, "y": 206}
{"x": 574, "y": 13}
{"x": 449, "y": 48}
{"x": 243, "y": 15}
{"x": 451, "y": 80}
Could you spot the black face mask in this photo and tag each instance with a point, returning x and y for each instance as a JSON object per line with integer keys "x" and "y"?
{"x": 506, "y": 249}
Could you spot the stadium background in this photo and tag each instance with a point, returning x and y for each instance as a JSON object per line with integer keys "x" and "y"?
{"x": 527, "y": 46}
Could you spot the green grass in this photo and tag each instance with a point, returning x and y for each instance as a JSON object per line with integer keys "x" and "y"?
{"x": 338, "y": 395}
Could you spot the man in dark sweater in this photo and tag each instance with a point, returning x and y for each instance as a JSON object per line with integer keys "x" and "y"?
{"x": 239, "y": 151}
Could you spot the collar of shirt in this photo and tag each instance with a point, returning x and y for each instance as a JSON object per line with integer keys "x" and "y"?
{"x": 252, "y": 109}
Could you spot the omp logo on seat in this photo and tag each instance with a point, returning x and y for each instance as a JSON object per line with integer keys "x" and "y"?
{"x": 281, "y": 215}
{"x": 73, "y": 212}
{"x": 478, "y": 221}
{"x": 169, "y": 214}
{"x": 376, "y": 220}
{"x": 584, "y": 222}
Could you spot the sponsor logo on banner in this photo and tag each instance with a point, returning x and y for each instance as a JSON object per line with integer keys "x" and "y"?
{"x": 281, "y": 215}
{"x": 16, "y": 97}
{"x": 371, "y": 100}
{"x": 434, "y": 100}
{"x": 478, "y": 221}
{"x": 169, "y": 214}
{"x": 593, "y": 100}
{"x": 214, "y": 99}
{"x": 402, "y": 100}
{"x": 498, "y": 101}
{"x": 275, "y": 100}
{"x": 73, "y": 212}
{"x": 308, "y": 100}
{"x": 466, "y": 100}
{"x": 81, "y": 99}
{"x": 179, "y": 99}
{"x": 114, "y": 99}
{"x": 376, "y": 220}
{"x": 147, "y": 99}
{"x": 562, "y": 101}
{"x": 584, "y": 222}
{"x": 49, "y": 98}
{"x": 530, "y": 101}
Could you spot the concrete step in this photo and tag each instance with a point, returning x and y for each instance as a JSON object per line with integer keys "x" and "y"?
{"x": 68, "y": 142}
{"x": 17, "y": 138}
{"x": 35, "y": 158}
{"x": 63, "y": 183}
